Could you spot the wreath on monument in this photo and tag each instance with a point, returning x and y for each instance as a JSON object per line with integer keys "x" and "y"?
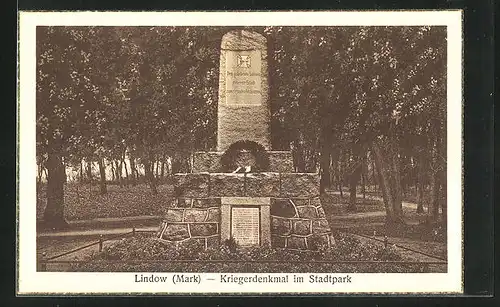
{"x": 229, "y": 157}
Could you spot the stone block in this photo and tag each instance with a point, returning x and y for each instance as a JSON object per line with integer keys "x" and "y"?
{"x": 226, "y": 184}
{"x": 300, "y": 201}
{"x": 174, "y": 215}
{"x": 321, "y": 212}
{"x": 281, "y": 226}
{"x": 195, "y": 215}
{"x": 206, "y": 162}
{"x": 203, "y": 229}
{"x": 213, "y": 215}
{"x": 316, "y": 202}
{"x": 191, "y": 185}
{"x": 296, "y": 243}
{"x": 278, "y": 242}
{"x": 320, "y": 226}
{"x": 307, "y": 212}
{"x": 281, "y": 161}
{"x": 262, "y": 184}
{"x": 206, "y": 202}
{"x": 315, "y": 242}
{"x": 301, "y": 227}
{"x": 212, "y": 242}
{"x": 283, "y": 207}
{"x": 265, "y": 225}
{"x": 176, "y": 232}
{"x": 299, "y": 184}
{"x": 183, "y": 202}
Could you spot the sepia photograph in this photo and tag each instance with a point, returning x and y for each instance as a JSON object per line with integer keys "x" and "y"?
{"x": 225, "y": 156}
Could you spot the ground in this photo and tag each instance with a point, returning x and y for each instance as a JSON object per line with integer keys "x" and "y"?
{"x": 83, "y": 201}
{"x": 91, "y": 215}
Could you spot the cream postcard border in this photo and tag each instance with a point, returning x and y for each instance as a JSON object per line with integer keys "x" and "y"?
{"x": 31, "y": 282}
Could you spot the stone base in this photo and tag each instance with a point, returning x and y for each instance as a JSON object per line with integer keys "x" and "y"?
{"x": 290, "y": 211}
{"x": 292, "y": 223}
{"x": 268, "y": 184}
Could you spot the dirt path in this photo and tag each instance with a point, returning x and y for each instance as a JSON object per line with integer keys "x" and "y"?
{"x": 406, "y": 204}
{"x": 436, "y": 251}
{"x": 49, "y": 248}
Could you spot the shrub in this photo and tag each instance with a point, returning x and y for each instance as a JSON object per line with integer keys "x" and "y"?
{"x": 138, "y": 248}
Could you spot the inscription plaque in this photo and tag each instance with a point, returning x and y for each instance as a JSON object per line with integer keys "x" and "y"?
{"x": 243, "y": 77}
{"x": 245, "y": 225}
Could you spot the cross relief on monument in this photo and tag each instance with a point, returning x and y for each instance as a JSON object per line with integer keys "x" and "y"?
{"x": 243, "y": 77}
{"x": 244, "y": 61}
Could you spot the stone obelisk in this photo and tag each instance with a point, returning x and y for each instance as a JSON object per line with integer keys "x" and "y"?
{"x": 244, "y": 107}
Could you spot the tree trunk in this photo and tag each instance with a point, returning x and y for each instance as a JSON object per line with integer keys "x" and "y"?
{"x": 65, "y": 176}
{"x": 420, "y": 187}
{"x": 353, "y": 183}
{"x": 157, "y": 170}
{"x": 127, "y": 181}
{"x": 433, "y": 209}
{"x": 81, "y": 171}
{"x": 54, "y": 212}
{"x": 148, "y": 172}
{"x": 397, "y": 196}
{"x": 299, "y": 157}
{"x": 437, "y": 179}
{"x": 102, "y": 180}
{"x": 119, "y": 173}
{"x": 363, "y": 177}
{"x": 133, "y": 171}
{"x": 374, "y": 176}
{"x": 113, "y": 172}
{"x": 444, "y": 203}
{"x": 339, "y": 177}
{"x": 89, "y": 171}
{"x": 40, "y": 174}
{"x": 385, "y": 185}
{"x": 325, "y": 169}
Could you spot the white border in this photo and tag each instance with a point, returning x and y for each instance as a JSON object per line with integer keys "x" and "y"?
{"x": 32, "y": 282}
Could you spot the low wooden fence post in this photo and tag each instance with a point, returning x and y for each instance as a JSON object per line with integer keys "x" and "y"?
{"x": 100, "y": 243}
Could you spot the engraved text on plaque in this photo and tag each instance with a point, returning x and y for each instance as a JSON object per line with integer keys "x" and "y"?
{"x": 245, "y": 225}
{"x": 243, "y": 77}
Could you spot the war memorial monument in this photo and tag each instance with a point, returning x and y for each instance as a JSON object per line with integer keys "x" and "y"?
{"x": 244, "y": 191}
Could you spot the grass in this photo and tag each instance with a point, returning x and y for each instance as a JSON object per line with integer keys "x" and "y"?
{"x": 83, "y": 201}
{"x": 339, "y": 205}
{"x": 143, "y": 253}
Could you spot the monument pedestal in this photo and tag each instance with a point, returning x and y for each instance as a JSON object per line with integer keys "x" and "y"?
{"x": 246, "y": 220}
{"x": 280, "y": 209}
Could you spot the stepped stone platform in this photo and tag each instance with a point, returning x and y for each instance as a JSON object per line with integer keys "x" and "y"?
{"x": 296, "y": 217}
{"x": 279, "y": 161}
{"x": 267, "y": 184}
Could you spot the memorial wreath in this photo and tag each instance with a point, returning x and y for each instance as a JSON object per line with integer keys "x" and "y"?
{"x": 229, "y": 157}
